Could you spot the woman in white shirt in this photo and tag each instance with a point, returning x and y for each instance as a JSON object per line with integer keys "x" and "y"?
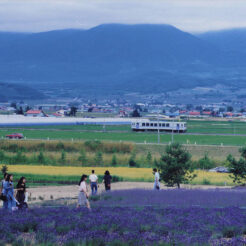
{"x": 93, "y": 182}
{"x": 157, "y": 179}
{"x": 83, "y": 193}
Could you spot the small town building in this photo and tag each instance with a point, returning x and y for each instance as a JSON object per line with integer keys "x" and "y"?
{"x": 194, "y": 113}
{"x": 35, "y": 113}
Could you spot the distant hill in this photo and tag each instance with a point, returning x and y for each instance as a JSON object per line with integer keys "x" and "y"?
{"x": 114, "y": 57}
{"x": 18, "y": 92}
{"x": 227, "y": 40}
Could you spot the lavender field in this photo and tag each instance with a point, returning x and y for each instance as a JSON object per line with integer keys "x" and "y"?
{"x": 137, "y": 217}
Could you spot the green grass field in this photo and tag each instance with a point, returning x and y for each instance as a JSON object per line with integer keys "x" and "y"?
{"x": 216, "y": 127}
{"x": 139, "y": 137}
{"x": 216, "y": 153}
{"x": 124, "y": 133}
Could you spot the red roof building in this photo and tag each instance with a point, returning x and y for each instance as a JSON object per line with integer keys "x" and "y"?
{"x": 57, "y": 115}
{"x": 35, "y": 113}
{"x": 207, "y": 113}
{"x": 194, "y": 113}
{"x": 229, "y": 114}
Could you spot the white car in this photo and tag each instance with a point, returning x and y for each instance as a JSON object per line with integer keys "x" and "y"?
{"x": 219, "y": 170}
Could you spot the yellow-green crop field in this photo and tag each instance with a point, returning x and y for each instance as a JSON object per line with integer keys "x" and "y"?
{"x": 128, "y": 174}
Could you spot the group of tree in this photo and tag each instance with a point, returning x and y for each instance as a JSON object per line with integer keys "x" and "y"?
{"x": 177, "y": 168}
{"x": 135, "y": 113}
{"x": 73, "y": 111}
{"x": 238, "y": 167}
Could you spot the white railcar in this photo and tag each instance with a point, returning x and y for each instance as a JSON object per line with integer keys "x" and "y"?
{"x": 149, "y": 125}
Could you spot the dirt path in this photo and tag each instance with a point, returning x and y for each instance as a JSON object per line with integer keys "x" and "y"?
{"x": 46, "y": 193}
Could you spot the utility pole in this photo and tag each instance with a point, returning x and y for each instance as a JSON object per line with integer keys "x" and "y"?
{"x": 172, "y": 132}
{"x": 104, "y": 126}
{"x": 158, "y": 130}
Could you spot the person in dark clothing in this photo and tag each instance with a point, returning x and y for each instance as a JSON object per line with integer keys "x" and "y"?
{"x": 21, "y": 193}
{"x": 107, "y": 180}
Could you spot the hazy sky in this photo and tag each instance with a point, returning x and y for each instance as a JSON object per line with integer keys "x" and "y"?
{"x": 188, "y": 15}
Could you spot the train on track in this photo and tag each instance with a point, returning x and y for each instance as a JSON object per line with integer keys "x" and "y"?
{"x": 155, "y": 125}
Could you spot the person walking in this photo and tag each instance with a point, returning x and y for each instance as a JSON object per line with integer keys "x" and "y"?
{"x": 3, "y": 192}
{"x": 93, "y": 182}
{"x": 9, "y": 191}
{"x": 107, "y": 180}
{"x": 21, "y": 193}
{"x": 83, "y": 193}
{"x": 157, "y": 179}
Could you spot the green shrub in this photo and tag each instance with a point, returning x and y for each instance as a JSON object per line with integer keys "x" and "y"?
{"x": 82, "y": 157}
{"x": 4, "y": 169}
{"x": 60, "y": 146}
{"x": 156, "y": 163}
{"x": 114, "y": 160}
{"x": 93, "y": 145}
{"x": 40, "y": 147}
{"x": 12, "y": 148}
{"x": 149, "y": 158}
{"x": 41, "y": 158}
{"x": 116, "y": 179}
{"x": 98, "y": 158}
{"x": 2, "y": 156}
{"x": 206, "y": 182}
{"x": 206, "y": 163}
{"x": 63, "y": 157}
{"x": 132, "y": 160}
{"x": 19, "y": 158}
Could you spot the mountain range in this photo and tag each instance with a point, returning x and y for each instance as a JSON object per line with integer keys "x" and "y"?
{"x": 232, "y": 40}
{"x": 116, "y": 58}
